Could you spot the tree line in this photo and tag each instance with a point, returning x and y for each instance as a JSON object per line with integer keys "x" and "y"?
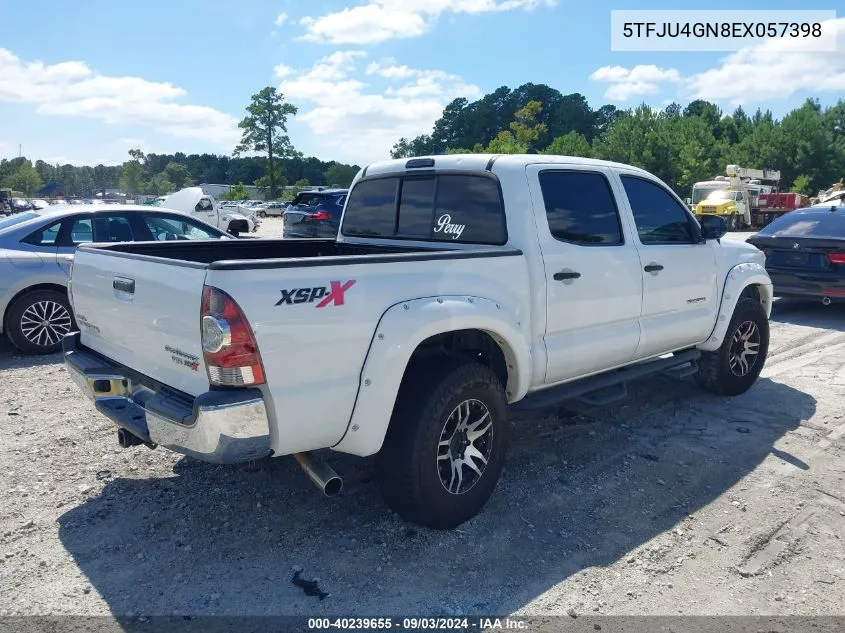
{"x": 679, "y": 145}
{"x": 158, "y": 174}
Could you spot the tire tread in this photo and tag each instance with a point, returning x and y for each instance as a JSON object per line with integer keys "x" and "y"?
{"x": 426, "y": 389}
{"x": 713, "y": 371}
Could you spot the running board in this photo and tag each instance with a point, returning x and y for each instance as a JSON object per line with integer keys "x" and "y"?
{"x": 682, "y": 371}
{"x": 606, "y": 396}
{"x": 610, "y": 387}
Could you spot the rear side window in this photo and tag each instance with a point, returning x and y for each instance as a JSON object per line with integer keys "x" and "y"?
{"x": 462, "y": 208}
{"x": 808, "y": 224}
{"x": 580, "y": 208}
{"x": 48, "y": 236}
{"x": 81, "y": 231}
{"x": 112, "y": 229}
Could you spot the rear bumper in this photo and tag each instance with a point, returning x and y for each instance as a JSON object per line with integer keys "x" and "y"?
{"x": 221, "y": 427}
{"x": 809, "y": 285}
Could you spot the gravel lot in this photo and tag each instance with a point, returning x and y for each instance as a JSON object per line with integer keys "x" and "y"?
{"x": 670, "y": 502}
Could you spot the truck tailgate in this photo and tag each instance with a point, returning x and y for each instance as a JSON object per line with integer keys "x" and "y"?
{"x": 142, "y": 314}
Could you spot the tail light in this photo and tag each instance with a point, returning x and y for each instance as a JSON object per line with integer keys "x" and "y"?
{"x": 320, "y": 215}
{"x": 229, "y": 348}
{"x": 836, "y": 258}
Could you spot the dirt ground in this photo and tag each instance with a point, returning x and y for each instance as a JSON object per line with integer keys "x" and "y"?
{"x": 669, "y": 502}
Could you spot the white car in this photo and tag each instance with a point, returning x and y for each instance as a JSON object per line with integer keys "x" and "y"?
{"x": 272, "y": 209}
{"x": 36, "y": 254}
{"x": 457, "y": 285}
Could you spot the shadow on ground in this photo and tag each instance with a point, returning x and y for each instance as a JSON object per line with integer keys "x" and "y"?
{"x": 12, "y": 358}
{"x": 583, "y": 487}
{"x": 810, "y": 313}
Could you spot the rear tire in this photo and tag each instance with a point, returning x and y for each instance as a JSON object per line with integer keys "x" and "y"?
{"x": 37, "y": 322}
{"x": 733, "y": 368}
{"x": 446, "y": 443}
{"x": 262, "y": 214}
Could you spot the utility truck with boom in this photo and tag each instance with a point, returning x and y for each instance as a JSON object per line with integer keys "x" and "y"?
{"x": 736, "y": 197}
{"x": 457, "y": 286}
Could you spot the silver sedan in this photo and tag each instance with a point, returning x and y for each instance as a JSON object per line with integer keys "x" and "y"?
{"x": 36, "y": 251}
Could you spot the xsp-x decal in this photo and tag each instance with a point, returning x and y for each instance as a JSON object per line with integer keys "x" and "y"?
{"x": 333, "y": 294}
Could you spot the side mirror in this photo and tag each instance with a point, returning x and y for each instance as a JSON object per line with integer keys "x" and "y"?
{"x": 713, "y": 227}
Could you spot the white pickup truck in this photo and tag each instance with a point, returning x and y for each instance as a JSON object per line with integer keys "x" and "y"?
{"x": 458, "y": 285}
{"x": 194, "y": 201}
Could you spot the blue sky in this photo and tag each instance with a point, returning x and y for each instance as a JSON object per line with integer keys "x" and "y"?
{"x": 82, "y": 82}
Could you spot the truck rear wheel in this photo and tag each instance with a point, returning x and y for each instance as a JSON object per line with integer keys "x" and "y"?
{"x": 445, "y": 447}
{"x": 734, "y": 367}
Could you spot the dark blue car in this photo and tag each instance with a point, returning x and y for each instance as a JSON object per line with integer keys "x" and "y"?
{"x": 315, "y": 214}
{"x": 805, "y": 252}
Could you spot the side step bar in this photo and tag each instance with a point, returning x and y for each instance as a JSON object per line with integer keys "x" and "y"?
{"x": 606, "y": 388}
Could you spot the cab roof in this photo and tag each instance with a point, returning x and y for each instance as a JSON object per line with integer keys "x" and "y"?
{"x": 482, "y": 162}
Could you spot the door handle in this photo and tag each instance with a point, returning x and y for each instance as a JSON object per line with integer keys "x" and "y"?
{"x": 124, "y": 285}
{"x": 567, "y": 275}
{"x": 653, "y": 268}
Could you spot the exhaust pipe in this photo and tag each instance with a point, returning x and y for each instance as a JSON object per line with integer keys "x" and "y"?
{"x": 323, "y": 476}
{"x": 827, "y": 301}
{"x": 127, "y": 439}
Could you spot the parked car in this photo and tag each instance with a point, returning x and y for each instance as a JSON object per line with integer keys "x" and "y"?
{"x": 36, "y": 251}
{"x": 315, "y": 213}
{"x": 456, "y": 286}
{"x": 19, "y": 205}
{"x": 805, "y": 252}
{"x": 273, "y": 209}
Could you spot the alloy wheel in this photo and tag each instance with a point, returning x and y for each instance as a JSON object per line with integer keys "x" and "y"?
{"x": 745, "y": 348}
{"x": 466, "y": 442}
{"x": 45, "y": 323}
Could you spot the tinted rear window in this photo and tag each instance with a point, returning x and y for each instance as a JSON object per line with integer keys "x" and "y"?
{"x": 416, "y": 206}
{"x": 462, "y": 208}
{"x": 580, "y": 207}
{"x": 371, "y": 211}
{"x": 808, "y": 224}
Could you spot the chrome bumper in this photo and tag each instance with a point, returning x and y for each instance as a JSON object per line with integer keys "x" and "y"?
{"x": 221, "y": 427}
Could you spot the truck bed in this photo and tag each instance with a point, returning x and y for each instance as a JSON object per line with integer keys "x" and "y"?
{"x": 238, "y": 254}
{"x": 139, "y": 305}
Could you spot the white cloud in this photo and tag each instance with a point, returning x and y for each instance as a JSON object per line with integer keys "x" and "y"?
{"x": 359, "y": 123}
{"x": 282, "y": 70}
{"x": 73, "y": 89}
{"x": 391, "y": 71}
{"x": 772, "y": 70}
{"x": 382, "y": 20}
{"x": 631, "y": 82}
{"x": 280, "y": 19}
